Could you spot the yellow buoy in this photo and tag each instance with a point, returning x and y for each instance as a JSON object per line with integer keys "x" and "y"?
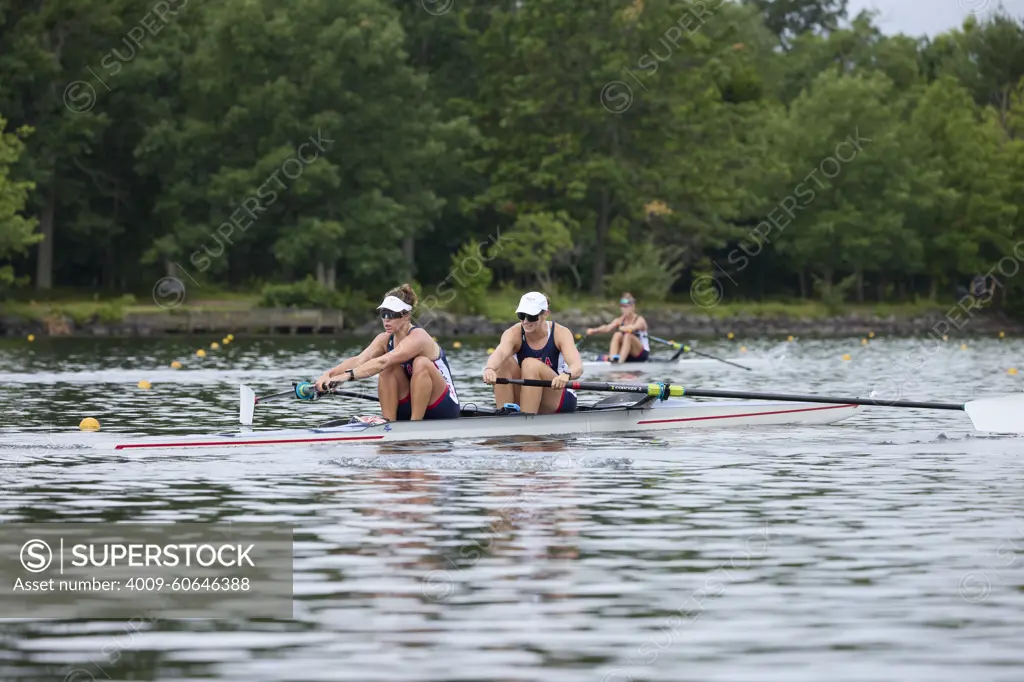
{"x": 731, "y": 335}
{"x": 789, "y": 338}
{"x": 31, "y": 338}
{"x": 863, "y": 342}
{"x": 846, "y": 356}
{"x": 456, "y": 345}
{"x": 201, "y": 353}
{"x": 871, "y": 335}
{"x": 743, "y": 349}
{"x": 175, "y": 365}
{"x": 1012, "y": 371}
{"x": 144, "y": 385}
{"x": 214, "y": 346}
{"x": 231, "y": 337}
{"x": 490, "y": 350}
{"x": 578, "y": 336}
{"x": 225, "y": 340}
{"x": 89, "y": 424}
{"x": 945, "y": 337}
{"x": 1002, "y": 335}
{"x": 963, "y": 346}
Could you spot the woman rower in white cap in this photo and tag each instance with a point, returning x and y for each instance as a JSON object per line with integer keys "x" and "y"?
{"x": 535, "y": 349}
{"x": 415, "y": 380}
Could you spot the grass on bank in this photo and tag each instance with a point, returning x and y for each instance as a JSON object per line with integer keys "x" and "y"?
{"x": 499, "y": 306}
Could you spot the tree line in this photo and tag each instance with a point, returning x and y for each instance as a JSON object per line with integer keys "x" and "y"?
{"x": 774, "y": 148}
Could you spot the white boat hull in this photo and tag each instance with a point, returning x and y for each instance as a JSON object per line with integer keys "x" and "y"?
{"x": 596, "y": 366}
{"x": 672, "y": 414}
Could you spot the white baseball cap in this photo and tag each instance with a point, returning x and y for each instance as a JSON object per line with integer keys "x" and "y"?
{"x": 394, "y": 304}
{"x": 533, "y": 303}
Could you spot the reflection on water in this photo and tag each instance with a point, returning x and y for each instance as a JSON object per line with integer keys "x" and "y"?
{"x": 884, "y": 547}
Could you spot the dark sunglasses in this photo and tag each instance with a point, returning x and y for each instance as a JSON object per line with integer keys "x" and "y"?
{"x": 391, "y": 314}
{"x": 528, "y": 318}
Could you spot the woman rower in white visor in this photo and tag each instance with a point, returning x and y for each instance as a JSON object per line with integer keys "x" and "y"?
{"x": 535, "y": 349}
{"x": 415, "y": 379}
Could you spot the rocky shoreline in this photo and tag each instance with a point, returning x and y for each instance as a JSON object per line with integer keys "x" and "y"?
{"x": 666, "y": 323}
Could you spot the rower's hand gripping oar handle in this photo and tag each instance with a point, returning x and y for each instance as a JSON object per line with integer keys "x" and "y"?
{"x": 660, "y": 391}
{"x": 306, "y": 390}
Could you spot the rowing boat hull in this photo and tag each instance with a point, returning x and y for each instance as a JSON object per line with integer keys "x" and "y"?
{"x": 595, "y": 366}
{"x": 658, "y": 416}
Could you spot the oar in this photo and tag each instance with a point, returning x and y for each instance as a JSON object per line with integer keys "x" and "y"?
{"x": 1002, "y": 414}
{"x": 304, "y": 390}
{"x": 680, "y": 348}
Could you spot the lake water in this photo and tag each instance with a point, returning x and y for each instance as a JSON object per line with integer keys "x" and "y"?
{"x": 882, "y": 547}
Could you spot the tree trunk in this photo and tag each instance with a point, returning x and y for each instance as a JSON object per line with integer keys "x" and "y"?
{"x": 409, "y": 249}
{"x": 860, "y": 286}
{"x": 331, "y": 277}
{"x": 933, "y": 290}
{"x": 109, "y": 266}
{"x": 44, "y": 257}
{"x": 826, "y": 282}
{"x": 597, "y": 273}
{"x": 320, "y": 279}
{"x": 803, "y": 284}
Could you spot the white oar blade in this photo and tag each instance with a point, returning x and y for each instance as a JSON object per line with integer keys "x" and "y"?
{"x": 1004, "y": 414}
{"x": 246, "y": 404}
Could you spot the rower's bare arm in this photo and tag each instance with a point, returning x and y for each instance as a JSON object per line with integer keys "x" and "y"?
{"x": 377, "y": 347}
{"x": 605, "y": 328}
{"x": 640, "y": 325}
{"x": 506, "y": 347}
{"x": 418, "y": 342}
{"x": 565, "y": 344}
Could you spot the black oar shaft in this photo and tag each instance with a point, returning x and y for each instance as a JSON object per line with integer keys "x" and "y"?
{"x": 682, "y": 348}
{"x": 711, "y": 393}
{"x": 673, "y": 390}
{"x": 282, "y": 394}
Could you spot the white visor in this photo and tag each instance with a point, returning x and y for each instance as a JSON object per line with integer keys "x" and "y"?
{"x": 395, "y": 305}
{"x": 533, "y": 303}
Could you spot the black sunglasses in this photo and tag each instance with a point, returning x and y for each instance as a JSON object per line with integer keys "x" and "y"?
{"x": 528, "y": 318}
{"x": 391, "y": 314}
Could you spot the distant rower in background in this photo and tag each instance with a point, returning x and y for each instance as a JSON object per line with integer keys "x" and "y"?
{"x": 535, "y": 349}
{"x": 415, "y": 380}
{"x": 629, "y": 342}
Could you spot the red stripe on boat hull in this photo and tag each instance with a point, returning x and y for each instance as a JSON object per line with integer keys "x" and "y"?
{"x": 243, "y": 442}
{"x": 735, "y": 416}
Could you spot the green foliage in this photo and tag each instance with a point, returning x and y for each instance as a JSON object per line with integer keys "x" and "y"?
{"x": 470, "y": 279}
{"x": 537, "y": 243}
{"x": 305, "y": 294}
{"x": 648, "y": 272}
{"x": 16, "y": 230}
{"x": 360, "y": 144}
